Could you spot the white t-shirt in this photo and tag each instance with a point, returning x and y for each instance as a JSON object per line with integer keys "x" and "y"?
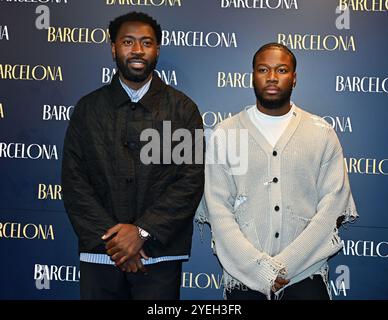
{"x": 271, "y": 127}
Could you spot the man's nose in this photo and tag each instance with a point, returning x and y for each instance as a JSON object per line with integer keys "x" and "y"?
{"x": 137, "y": 48}
{"x": 272, "y": 76}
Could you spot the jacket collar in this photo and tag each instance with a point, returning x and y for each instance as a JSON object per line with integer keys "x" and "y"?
{"x": 120, "y": 97}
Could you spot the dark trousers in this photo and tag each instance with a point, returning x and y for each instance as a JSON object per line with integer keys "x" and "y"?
{"x": 107, "y": 282}
{"x": 307, "y": 289}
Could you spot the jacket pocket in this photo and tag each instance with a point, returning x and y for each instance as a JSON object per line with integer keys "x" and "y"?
{"x": 247, "y": 224}
{"x": 248, "y": 228}
{"x": 294, "y": 224}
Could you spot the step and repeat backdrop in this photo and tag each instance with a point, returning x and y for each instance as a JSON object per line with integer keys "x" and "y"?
{"x": 52, "y": 52}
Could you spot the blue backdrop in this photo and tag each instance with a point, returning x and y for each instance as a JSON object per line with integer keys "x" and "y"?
{"x": 206, "y": 52}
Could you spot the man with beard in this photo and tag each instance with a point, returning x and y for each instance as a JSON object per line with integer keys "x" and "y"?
{"x": 133, "y": 217}
{"x": 275, "y": 226}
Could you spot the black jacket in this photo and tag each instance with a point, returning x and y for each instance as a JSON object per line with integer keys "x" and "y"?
{"x": 105, "y": 183}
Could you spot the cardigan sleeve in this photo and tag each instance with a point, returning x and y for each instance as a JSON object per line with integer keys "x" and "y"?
{"x": 239, "y": 258}
{"x": 320, "y": 240}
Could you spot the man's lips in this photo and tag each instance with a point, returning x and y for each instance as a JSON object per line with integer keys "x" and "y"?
{"x": 137, "y": 63}
{"x": 271, "y": 89}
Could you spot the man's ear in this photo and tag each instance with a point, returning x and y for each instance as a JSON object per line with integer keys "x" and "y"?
{"x": 294, "y": 82}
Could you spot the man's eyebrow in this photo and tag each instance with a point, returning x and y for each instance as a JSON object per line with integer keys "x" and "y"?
{"x": 132, "y": 37}
{"x": 277, "y": 65}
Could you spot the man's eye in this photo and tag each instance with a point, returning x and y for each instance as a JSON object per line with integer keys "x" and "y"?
{"x": 262, "y": 70}
{"x": 282, "y": 70}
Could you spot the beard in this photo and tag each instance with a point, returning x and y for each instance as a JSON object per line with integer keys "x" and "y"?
{"x": 275, "y": 102}
{"x": 134, "y": 75}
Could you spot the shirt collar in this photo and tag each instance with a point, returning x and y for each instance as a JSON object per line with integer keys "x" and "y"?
{"x": 136, "y": 95}
{"x": 150, "y": 100}
{"x": 266, "y": 117}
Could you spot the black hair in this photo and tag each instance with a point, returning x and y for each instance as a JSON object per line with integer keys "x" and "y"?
{"x": 133, "y": 16}
{"x": 274, "y": 45}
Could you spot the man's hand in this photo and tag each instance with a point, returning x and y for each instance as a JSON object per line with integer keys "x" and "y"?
{"x": 279, "y": 283}
{"x": 133, "y": 265}
{"x": 125, "y": 245}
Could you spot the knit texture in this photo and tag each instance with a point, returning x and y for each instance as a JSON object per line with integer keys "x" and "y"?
{"x": 279, "y": 218}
